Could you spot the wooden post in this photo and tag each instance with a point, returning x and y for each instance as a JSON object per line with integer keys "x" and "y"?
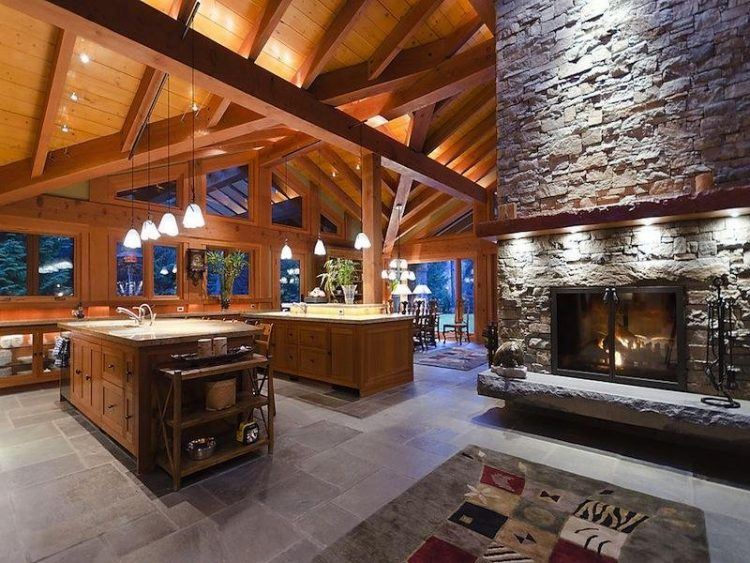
{"x": 458, "y": 280}
{"x": 372, "y": 258}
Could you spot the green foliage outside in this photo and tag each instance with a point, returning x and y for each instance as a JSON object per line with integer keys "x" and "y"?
{"x": 227, "y": 267}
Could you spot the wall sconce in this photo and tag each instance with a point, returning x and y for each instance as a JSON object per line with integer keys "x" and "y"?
{"x": 196, "y": 264}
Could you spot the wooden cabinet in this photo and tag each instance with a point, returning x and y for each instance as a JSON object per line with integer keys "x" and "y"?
{"x": 26, "y": 354}
{"x": 365, "y": 356}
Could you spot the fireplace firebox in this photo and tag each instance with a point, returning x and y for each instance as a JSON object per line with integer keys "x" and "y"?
{"x": 633, "y": 335}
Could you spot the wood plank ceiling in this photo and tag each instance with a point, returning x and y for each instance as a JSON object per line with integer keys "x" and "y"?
{"x": 421, "y": 71}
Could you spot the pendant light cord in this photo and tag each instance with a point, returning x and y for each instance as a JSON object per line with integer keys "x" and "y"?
{"x": 169, "y": 203}
{"x": 192, "y": 106}
{"x": 132, "y": 194}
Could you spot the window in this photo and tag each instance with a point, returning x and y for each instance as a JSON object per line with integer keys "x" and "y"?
{"x": 286, "y": 207}
{"x": 129, "y": 271}
{"x": 164, "y": 193}
{"x": 289, "y": 281}
{"x": 36, "y": 264}
{"x": 227, "y": 192}
{"x": 165, "y": 270}
{"x": 241, "y": 283}
{"x": 328, "y": 226}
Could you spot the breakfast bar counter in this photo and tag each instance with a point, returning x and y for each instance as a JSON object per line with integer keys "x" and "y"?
{"x": 351, "y": 346}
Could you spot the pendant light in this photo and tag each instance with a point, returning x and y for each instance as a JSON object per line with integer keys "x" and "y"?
{"x": 148, "y": 229}
{"x": 193, "y": 218}
{"x": 362, "y": 241}
{"x": 286, "y": 251}
{"x": 320, "y": 248}
{"x": 168, "y": 223}
{"x": 132, "y": 238}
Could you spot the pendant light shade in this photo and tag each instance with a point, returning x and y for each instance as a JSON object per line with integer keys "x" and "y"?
{"x": 168, "y": 225}
{"x": 286, "y": 252}
{"x": 193, "y": 218}
{"x": 401, "y": 289}
{"x": 149, "y": 230}
{"x": 132, "y": 239}
{"x": 362, "y": 242}
{"x": 320, "y": 248}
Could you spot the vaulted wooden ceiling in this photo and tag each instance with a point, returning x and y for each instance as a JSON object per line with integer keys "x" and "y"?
{"x": 420, "y": 71}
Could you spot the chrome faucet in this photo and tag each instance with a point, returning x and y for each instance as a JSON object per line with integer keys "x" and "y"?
{"x": 138, "y": 318}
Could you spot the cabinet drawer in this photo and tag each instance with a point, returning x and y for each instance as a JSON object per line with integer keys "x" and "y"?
{"x": 313, "y": 362}
{"x": 285, "y": 359}
{"x": 289, "y": 334}
{"x": 113, "y": 408}
{"x": 117, "y": 366}
{"x": 314, "y": 338}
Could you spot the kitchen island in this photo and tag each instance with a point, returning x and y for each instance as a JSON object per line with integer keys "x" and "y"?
{"x": 351, "y": 346}
{"x": 113, "y": 366}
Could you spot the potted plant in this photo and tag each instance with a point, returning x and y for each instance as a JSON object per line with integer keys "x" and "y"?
{"x": 509, "y": 360}
{"x": 227, "y": 267}
{"x": 340, "y": 272}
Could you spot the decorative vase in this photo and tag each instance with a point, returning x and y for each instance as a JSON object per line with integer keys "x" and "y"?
{"x": 225, "y": 300}
{"x": 350, "y": 291}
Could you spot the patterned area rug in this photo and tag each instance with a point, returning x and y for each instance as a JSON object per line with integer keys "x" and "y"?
{"x": 484, "y": 506}
{"x": 453, "y": 357}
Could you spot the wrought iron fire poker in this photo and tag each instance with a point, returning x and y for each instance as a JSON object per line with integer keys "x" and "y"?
{"x": 720, "y": 368}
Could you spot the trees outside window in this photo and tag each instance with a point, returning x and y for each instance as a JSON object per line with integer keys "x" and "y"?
{"x": 32, "y": 265}
{"x": 289, "y": 281}
{"x": 165, "y": 270}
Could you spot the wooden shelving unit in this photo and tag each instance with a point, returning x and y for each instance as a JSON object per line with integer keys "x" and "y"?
{"x": 176, "y": 424}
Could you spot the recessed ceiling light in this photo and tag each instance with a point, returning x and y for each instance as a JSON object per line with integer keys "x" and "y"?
{"x": 85, "y": 59}
{"x": 195, "y": 106}
{"x": 333, "y": 174}
{"x": 73, "y": 97}
{"x": 64, "y": 128}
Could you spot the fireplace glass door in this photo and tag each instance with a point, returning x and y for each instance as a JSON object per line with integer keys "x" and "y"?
{"x": 628, "y": 335}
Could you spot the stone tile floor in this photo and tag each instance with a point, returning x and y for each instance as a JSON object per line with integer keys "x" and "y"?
{"x": 68, "y": 494}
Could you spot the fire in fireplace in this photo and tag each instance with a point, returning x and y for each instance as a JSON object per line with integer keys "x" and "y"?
{"x": 632, "y": 335}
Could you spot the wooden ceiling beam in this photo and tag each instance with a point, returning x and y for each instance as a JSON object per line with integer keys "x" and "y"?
{"x": 217, "y": 107}
{"x": 486, "y": 10}
{"x": 317, "y": 176}
{"x": 148, "y": 91}
{"x": 294, "y": 145}
{"x": 103, "y": 155}
{"x": 448, "y": 212}
{"x": 256, "y": 40}
{"x": 60, "y": 64}
{"x": 459, "y": 73}
{"x": 459, "y": 144}
{"x": 153, "y": 38}
{"x": 395, "y": 41}
{"x": 481, "y": 102}
{"x": 418, "y": 127}
{"x": 342, "y": 24}
{"x": 342, "y": 167}
{"x": 180, "y": 10}
{"x": 353, "y": 83}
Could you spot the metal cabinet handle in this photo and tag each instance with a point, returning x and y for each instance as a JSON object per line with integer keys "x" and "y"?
{"x": 88, "y": 378}
{"x": 78, "y": 372}
{"x": 111, "y": 366}
{"x": 110, "y": 407}
{"x": 128, "y": 417}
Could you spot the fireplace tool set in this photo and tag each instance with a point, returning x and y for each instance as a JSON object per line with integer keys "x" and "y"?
{"x": 720, "y": 368}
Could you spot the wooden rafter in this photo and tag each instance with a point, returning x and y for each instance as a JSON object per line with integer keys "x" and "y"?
{"x": 418, "y": 128}
{"x": 405, "y": 29}
{"x": 463, "y": 71}
{"x": 147, "y": 93}
{"x": 217, "y": 107}
{"x": 294, "y": 145}
{"x": 60, "y": 63}
{"x": 151, "y": 37}
{"x": 480, "y": 102}
{"x": 486, "y": 10}
{"x": 353, "y": 83}
{"x": 180, "y": 9}
{"x": 342, "y": 24}
{"x": 317, "y": 176}
{"x": 460, "y": 143}
{"x": 255, "y": 40}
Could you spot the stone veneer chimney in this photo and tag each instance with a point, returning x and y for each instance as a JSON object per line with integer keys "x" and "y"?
{"x": 606, "y": 102}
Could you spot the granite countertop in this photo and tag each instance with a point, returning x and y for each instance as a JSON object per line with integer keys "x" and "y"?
{"x": 314, "y": 317}
{"x": 21, "y": 323}
{"x": 162, "y": 332}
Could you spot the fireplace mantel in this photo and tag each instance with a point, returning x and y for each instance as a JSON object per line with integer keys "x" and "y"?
{"x": 717, "y": 202}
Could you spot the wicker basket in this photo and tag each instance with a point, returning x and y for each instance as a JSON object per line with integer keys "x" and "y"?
{"x": 221, "y": 395}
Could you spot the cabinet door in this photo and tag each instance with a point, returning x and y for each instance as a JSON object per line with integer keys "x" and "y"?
{"x": 314, "y": 337}
{"x": 129, "y": 420}
{"x": 313, "y": 363}
{"x": 76, "y": 372}
{"x": 113, "y": 408}
{"x": 87, "y": 379}
{"x": 343, "y": 355}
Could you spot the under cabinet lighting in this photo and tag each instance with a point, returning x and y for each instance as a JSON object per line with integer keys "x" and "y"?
{"x": 734, "y": 213}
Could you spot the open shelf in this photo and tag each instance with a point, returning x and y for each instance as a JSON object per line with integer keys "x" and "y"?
{"x": 202, "y": 417}
{"x": 226, "y": 448}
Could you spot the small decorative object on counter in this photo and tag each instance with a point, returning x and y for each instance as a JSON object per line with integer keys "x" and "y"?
{"x": 205, "y": 348}
{"x": 509, "y": 361}
{"x": 317, "y": 295}
{"x": 219, "y": 345}
{"x": 221, "y": 395}
{"x": 78, "y": 312}
{"x": 248, "y": 433}
{"x": 201, "y": 448}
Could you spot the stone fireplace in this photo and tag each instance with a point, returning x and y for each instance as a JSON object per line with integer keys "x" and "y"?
{"x": 609, "y": 103}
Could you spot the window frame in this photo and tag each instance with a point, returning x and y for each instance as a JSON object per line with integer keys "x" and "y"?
{"x": 33, "y": 273}
{"x": 250, "y": 183}
{"x": 148, "y": 272}
{"x": 104, "y": 190}
{"x": 207, "y": 165}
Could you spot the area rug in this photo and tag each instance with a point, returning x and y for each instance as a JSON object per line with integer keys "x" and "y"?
{"x": 454, "y": 357}
{"x": 484, "y": 506}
